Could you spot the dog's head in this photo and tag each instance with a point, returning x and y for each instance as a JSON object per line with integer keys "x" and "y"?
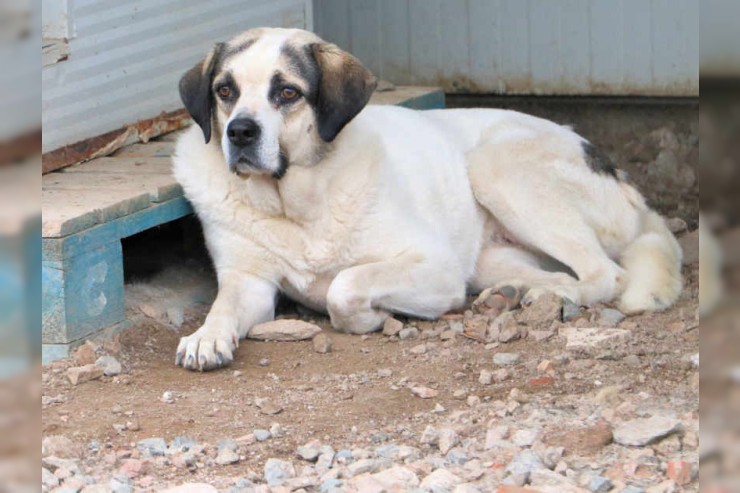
{"x": 275, "y": 97}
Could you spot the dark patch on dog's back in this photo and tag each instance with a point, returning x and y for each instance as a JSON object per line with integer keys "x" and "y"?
{"x": 598, "y": 161}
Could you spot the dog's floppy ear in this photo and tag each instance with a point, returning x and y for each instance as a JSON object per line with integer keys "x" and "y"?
{"x": 345, "y": 87}
{"x": 195, "y": 90}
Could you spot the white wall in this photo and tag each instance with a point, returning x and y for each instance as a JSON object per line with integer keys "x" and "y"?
{"x": 613, "y": 47}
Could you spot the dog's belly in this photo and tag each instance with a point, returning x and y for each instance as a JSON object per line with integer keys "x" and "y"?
{"x": 313, "y": 295}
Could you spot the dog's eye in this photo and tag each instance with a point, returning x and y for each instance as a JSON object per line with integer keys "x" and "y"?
{"x": 288, "y": 93}
{"x": 224, "y": 91}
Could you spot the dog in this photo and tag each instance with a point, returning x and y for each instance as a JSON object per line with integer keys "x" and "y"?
{"x": 362, "y": 211}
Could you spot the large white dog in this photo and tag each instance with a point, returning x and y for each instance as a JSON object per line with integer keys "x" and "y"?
{"x": 365, "y": 211}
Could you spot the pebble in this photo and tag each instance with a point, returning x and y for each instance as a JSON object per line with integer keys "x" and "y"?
{"x": 679, "y": 471}
{"x": 268, "y": 407}
{"x": 600, "y": 484}
{"x": 284, "y": 330}
{"x": 632, "y": 360}
{"x": 181, "y": 444}
{"x": 588, "y": 340}
{"x": 85, "y": 354}
{"x": 485, "y": 377}
{"x": 644, "y": 431}
{"x": 82, "y": 374}
{"x": 397, "y": 478}
{"x": 192, "y": 488}
{"x": 585, "y": 441}
{"x": 632, "y": 489}
{"x": 542, "y": 311}
{"x": 262, "y": 435}
{"x": 110, "y": 365}
{"x": 59, "y": 446}
{"x": 506, "y": 359}
{"x": 264, "y": 362}
{"x": 276, "y": 471}
{"x": 392, "y": 326}
{"x": 522, "y": 465}
{"x": 152, "y": 447}
{"x": 610, "y": 317}
{"x": 322, "y": 343}
{"x": 524, "y": 438}
{"x": 446, "y": 439}
{"x": 429, "y": 436}
{"x": 226, "y": 456}
{"x": 167, "y": 397}
{"x": 419, "y": 349}
{"x": 331, "y": 485}
{"x": 500, "y": 375}
{"x": 408, "y": 333}
{"x": 441, "y": 481}
{"x": 309, "y": 452}
{"x": 571, "y": 311}
{"x": 424, "y": 392}
{"x": 48, "y": 479}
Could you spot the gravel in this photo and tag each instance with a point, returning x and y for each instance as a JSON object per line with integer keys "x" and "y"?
{"x": 506, "y": 359}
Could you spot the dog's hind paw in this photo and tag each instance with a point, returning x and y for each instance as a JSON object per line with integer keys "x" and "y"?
{"x": 206, "y": 349}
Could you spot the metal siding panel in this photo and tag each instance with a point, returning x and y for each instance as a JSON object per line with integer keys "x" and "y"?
{"x": 675, "y": 60}
{"x": 334, "y": 15}
{"x": 606, "y": 48}
{"x": 424, "y": 22}
{"x": 365, "y": 32}
{"x": 574, "y": 73}
{"x": 454, "y": 49}
{"x": 126, "y": 58}
{"x": 485, "y": 43}
{"x": 544, "y": 38}
{"x": 394, "y": 40}
{"x": 637, "y": 45}
{"x": 515, "y": 47}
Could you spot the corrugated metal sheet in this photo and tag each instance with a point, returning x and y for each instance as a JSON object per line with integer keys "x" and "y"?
{"x": 611, "y": 47}
{"x": 126, "y": 57}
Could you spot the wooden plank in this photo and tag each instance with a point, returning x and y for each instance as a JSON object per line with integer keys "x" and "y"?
{"x": 65, "y": 212}
{"x": 129, "y": 165}
{"x": 150, "y": 149}
{"x": 59, "y": 249}
{"x": 159, "y": 186}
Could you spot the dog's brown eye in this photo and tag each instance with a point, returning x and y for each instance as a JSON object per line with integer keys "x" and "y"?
{"x": 288, "y": 93}
{"x": 224, "y": 91}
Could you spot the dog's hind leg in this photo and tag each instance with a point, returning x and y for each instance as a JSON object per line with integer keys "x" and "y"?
{"x": 361, "y": 297}
{"x": 515, "y": 187}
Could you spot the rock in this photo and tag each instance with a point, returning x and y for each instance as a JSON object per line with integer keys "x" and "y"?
{"x": 429, "y": 436}
{"x": 477, "y": 328}
{"x": 176, "y": 316}
{"x": 522, "y": 465}
{"x": 582, "y": 441}
{"x": 276, "y": 471}
{"x": 192, "y": 488}
{"x": 283, "y": 330}
{"x": 397, "y": 478}
{"x": 120, "y": 484}
{"x": 506, "y": 359}
{"x": 679, "y": 471}
{"x": 48, "y": 479}
{"x": 545, "y": 366}
{"x": 668, "y": 486}
{"x": 392, "y": 326}
{"x": 644, "y": 431}
{"x": 500, "y": 375}
{"x": 420, "y": 349}
{"x": 268, "y": 407}
{"x": 408, "y": 333}
{"x": 309, "y": 451}
{"x": 507, "y": 328}
{"x": 447, "y": 439}
{"x": 599, "y": 484}
{"x": 676, "y": 225}
{"x": 167, "y": 397}
{"x": 152, "y": 447}
{"x": 227, "y": 456}
{"x": 457, "y": 456}
{"x": 110, "y": 365}
{"x": 85, "y": 354}
{"x": 440, "y": 481}
{"x": 424, "y": 392}
{"x": 690, "y": 246}
{"x": 82, "y": 374}
{"x": 181, "y": 444}
{"x": 485, "y": 377}
{"x": 262, "y": 435}
{"x": 332, "y": 485}
{"x": 361, "y": 466}
{"x": 609, "y": 317}
{"x": 571, "y": 311}
{"x": 322, "y": 343}
{"x": 325, "y": 460}
{"x": 131, "y": 467}
{"x": 524, "y": 438}
{"x": 591, "y": 341}
{"x": 467, "y": 488}
{"x": 542, "y": 311}
{"x": 632, "y": 489}
{"x": 60, "y": 446}
{"x": 632, "y": 360}
{"x": 94, "y": 488}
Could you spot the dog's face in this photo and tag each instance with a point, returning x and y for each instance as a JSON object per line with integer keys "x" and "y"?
{"x": 275, "y": 97}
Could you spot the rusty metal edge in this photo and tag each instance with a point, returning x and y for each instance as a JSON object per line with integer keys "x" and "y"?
{"x": 109, "y": 142}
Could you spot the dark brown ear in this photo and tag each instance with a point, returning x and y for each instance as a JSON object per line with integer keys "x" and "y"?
{"x": 345, "y": 87}
{"x": 195, "y": 90}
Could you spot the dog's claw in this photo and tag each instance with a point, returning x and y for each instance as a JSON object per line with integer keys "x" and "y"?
{"x": 178, "y": 358}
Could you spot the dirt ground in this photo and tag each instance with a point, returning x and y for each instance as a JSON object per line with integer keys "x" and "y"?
{"x": 357, "y": 397}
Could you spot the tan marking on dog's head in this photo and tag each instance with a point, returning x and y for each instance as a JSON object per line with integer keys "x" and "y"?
{"x": 276, "y": 97}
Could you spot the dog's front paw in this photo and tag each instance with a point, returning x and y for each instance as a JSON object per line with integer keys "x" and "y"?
{"x": 206, "y": 349}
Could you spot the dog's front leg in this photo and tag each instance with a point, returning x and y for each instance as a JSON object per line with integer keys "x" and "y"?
{"x": 242, "y": 301}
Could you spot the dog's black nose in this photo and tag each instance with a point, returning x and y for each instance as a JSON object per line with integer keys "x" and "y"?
{"x": 243, "y": 132}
